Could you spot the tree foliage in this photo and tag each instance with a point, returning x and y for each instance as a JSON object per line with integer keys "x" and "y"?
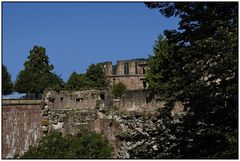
{"x": 96, "y": 77}
{"x": 7, "y": 85}
{"x": 37, "y": 74}
{"x": 162, "y": 68}
{"x": 75, "y": 82}
{"x": 118, "y": 89}
{"x": 200, "y": 70}
{"x": 82, "y": 146}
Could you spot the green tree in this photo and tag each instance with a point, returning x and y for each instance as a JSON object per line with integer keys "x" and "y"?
{"x": 82, "y": 146}
{"x": 7, "y": 85}
{"x": 73, "y": 82}
{"x": 200, "y": 71}
{"x": 96, "y": 77}
{"x": 118, "y": 89}
{"x": 52, "y": 81}
{"x": 161, "y": 73}
{"x": 76, "y": 82}
{"x": 37, "y": 74}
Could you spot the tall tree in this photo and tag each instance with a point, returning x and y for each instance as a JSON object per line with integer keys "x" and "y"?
{"x": 7, "y": 85}
{"x": 203, "y": 75}
{"x": 162, "y": 68}
{"x": 37, "y": 74}
{"x": 96, "y": 76}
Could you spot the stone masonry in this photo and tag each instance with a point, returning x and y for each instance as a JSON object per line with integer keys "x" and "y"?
{"x": 21, "y": 127}
{"x": 78, "y": 112}
{"x": 130, "y": 72}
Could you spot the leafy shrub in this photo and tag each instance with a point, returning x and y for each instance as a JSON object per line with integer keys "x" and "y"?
{"x": 82, "y": 146}
{"x": 119, "y": 89}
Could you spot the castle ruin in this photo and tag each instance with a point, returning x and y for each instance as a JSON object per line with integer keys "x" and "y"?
{"x": 129, "y": 72}
{"x": 25, "y": 122}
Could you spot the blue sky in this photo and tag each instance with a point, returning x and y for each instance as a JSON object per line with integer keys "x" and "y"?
{"x": 76, "y": 35}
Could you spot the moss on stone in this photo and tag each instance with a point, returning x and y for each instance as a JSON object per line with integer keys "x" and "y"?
{"x": 44, "y": 122}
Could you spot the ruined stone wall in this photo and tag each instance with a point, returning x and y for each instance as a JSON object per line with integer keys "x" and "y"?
{"x": 76, "y": 119}
{"x": 134, "y": 67}
{"x": 138, "y": 100}
{"x": 107, "y": 66}
{"x": 101, "y": 117}
{"x": 120, "y": 68}
{"x": 80, "y": 121}
{"x": 131, "y": 73}
{"x": 74, "y": 100}
{"x": 132, "y": 82}
{"x": 21, "y": 127}
{"x": 133, "y": 114}
{"x": 132, "y": 100}
{"x": 141, "y": 67}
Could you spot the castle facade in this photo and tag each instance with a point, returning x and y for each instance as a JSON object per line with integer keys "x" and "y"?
{"x": 129, "y": 72}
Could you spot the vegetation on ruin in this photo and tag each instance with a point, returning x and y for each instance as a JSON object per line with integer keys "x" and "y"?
{"x": 44, "y": 122}
{"x": 118, "y": 89}
{"x": 82, "y": 146}
{"x": 197, "y": 65}
{"x": 7, "y": 85}
{"x": 37, "y": 74}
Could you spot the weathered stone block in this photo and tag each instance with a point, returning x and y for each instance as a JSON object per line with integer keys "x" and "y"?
{"x": 44, "y": 128}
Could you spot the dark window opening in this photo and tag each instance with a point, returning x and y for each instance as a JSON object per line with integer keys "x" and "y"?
{"x": 144, "y": 71}
{"x": 61, "y": 98}
{"x": 102, "y": 96}
{"x": 144, "y": 84}
{"x": 126, "y": 68}
{"x": 52, "y": 99}
{"x": 79, "y": 99}
{"x": 114, "y": 69}
{"x": 136, "y": 68}
{"x": 147, "y": 100}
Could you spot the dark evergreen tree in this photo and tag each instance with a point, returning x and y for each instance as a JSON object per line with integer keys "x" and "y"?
{"x": 200, "y": 71}
{"x": 37, "y": 74}
{"x": 7, "y": 85}
{"x": 76, "y": 82}
{"x": 96, "y": 77}
{"x": 72, "y": 83}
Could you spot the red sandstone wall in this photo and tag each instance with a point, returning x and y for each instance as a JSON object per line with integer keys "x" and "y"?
{"x": 21, "y": 127}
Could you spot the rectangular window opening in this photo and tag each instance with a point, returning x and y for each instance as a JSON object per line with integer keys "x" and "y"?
{"x": 144, "y": 84}
{"x": 126, "y": 68}
{"x": 102, "y": 96}
{"x": 79, "y": 99}
{"x": 136, "y": 68}
{"x": 114, "y": 69}
{"x": 144, "y": 71}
